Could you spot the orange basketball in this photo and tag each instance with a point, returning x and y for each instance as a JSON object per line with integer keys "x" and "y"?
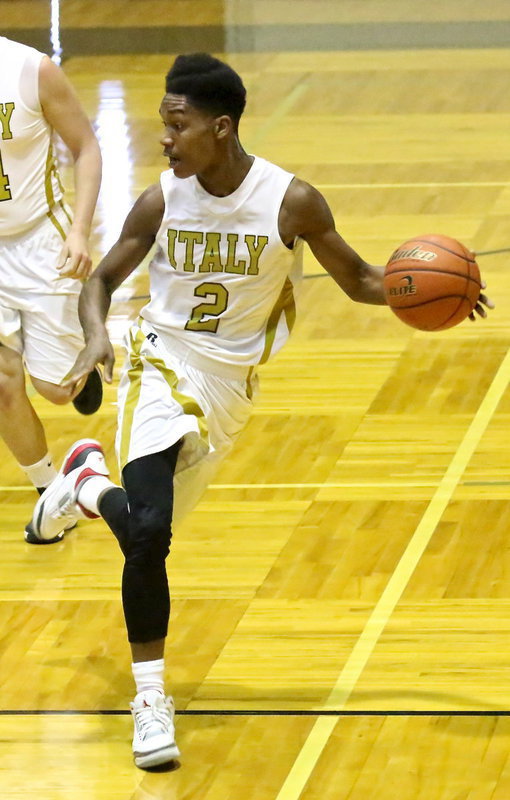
{"x": 432, "y": 282}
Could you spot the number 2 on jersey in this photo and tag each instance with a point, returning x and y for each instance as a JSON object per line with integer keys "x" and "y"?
{"x": 5, "y": 192}
{"x": 196, "y": 321}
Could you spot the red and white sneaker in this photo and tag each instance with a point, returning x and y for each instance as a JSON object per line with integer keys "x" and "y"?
{"x": 154, "y": 734}
{"x": 58, "y": 508}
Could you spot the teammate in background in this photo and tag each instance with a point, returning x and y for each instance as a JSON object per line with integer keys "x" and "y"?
{"x": 43, "y": 251}
{"x": 229, "y": 229}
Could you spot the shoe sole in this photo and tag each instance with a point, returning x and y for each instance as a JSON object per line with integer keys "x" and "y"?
{"x": 157, "y": 757}
{"x": 32, "y": 538}
{"x": 93, "y": 394}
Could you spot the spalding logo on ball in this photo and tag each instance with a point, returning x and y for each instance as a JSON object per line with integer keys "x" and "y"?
{"x": 432, "y": 282}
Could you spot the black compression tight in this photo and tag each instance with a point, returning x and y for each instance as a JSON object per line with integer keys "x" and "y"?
{"x": 141, "y": 519}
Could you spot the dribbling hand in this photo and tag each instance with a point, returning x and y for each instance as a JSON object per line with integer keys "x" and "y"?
{"x": 483, "y": 300}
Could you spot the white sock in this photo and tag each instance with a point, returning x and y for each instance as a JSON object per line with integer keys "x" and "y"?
{"x": 91, "y": 490}
{"x": 149, "y": 675}
{"x": 42, "y": 473}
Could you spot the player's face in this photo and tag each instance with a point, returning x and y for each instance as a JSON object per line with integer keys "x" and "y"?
{"x": 188, "y": 140}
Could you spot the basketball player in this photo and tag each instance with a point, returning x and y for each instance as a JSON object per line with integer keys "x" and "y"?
{"x": 229, "y": 229}
{"x": 43, "y": 252}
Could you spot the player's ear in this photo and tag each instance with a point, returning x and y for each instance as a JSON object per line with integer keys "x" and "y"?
{"x": 222, "y": 126}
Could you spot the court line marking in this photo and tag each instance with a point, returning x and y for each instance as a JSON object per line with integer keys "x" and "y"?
{"x": 375, "y": 485}
{"x": 318, "y": 737}
{"x": 237, "y": 712}
{"x": 365, "y": 485}
{"x": 279, "y": 112}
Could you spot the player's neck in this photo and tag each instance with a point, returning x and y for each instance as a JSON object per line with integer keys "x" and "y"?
{"x": 224, "y": 178}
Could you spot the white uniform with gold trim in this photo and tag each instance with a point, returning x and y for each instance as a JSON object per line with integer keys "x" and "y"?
{"x": 222, "y": 301}
{"x": 38, "y": 311}
{"x": 222, "y": 281}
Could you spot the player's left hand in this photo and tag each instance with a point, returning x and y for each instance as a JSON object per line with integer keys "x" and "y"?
{"x": 483, "y": 300}
{"x": 75, "y": 261}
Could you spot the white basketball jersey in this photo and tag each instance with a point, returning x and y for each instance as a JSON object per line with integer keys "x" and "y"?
{"x": 221, "y": 280}
{"x": 29, "y": 183}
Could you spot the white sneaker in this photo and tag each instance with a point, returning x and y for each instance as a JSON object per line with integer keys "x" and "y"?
{"x": 57, "y": 508}
{"x": 154, "y": 736}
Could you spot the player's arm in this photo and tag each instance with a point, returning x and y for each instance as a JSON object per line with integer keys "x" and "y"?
{"x": 63, "y": 111}
{"x": 305, "y": 213}
{"x": 136, "y": 239}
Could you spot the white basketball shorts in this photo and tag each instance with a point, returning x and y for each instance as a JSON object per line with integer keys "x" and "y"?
{"x": 39, "y": 310}
{"x": 164, "y": 399}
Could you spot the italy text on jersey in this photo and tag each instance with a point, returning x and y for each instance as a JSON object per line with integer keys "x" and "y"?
{"x": 6, "y": 110}
{"x": 211, "y": 260}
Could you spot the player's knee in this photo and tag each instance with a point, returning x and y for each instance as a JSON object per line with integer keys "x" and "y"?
{"x": 12, "y": 381}
{"x": 51, "y": 391}
{"x": 150, "y": 532}
{"x": 58, "y": 398}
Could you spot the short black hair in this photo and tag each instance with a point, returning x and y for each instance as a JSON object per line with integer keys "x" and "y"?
{"x": 208, "y": 83}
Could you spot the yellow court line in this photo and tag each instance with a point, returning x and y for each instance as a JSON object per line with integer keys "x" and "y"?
{"x": 365, "y": 485}
{"x": 357, "y": 661}
{"x": 253, "y": 142}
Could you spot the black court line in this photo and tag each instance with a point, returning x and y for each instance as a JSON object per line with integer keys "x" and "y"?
{"x": 493, "y": 252}
{"x": 260, "y": 713}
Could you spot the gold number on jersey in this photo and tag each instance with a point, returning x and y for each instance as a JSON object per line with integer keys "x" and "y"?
{"x": 196, "y": 321}
{"x": 5, "y": 192}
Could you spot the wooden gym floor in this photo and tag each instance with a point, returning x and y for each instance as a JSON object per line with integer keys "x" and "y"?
{"x": 341, "y": 596}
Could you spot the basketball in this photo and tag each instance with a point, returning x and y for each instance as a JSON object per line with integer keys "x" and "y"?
{"x": 432, "y": 282}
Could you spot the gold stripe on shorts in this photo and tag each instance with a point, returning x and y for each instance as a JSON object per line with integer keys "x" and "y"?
{"x": 188, "y": 404}
{"x": 133, "y": 395}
